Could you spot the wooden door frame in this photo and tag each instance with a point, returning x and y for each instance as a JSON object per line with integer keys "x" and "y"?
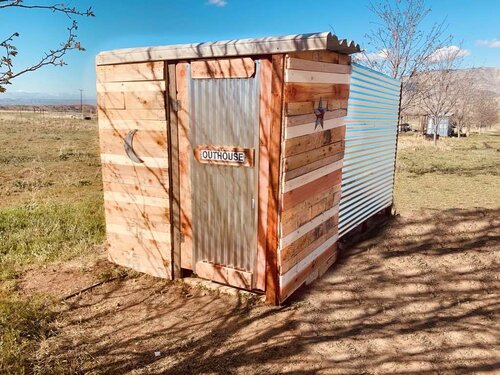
{"x": 184, "y": 144}
{"x": 173, "y": 139}
{"x": 270, "y": 123}
{"x": 275, "y": 113}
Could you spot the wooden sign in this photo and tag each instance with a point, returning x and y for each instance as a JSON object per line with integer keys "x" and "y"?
{"x": 225, "y": 155}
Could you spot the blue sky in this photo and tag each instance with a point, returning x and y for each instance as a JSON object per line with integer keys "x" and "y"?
{"x": 132, "y": 23}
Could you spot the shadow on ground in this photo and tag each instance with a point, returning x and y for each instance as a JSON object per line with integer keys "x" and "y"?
{"x": 418, "y": 296}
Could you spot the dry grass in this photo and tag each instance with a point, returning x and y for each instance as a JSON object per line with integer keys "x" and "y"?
{"x": 459, "y": 173}
{"x": 50, "y": 210}
{"x": 49, "y": 160}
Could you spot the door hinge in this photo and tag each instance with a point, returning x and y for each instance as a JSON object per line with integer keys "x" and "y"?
{"x": 175, "y": 105}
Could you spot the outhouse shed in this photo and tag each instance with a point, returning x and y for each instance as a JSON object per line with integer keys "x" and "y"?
{"x": 242, "y": 161}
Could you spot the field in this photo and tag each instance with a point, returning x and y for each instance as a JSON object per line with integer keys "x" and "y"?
{"x": 419, "y": 295}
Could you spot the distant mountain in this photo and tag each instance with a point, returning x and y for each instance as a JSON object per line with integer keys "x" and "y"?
{"x": 37, "y": 98}
{"x": 488, "y": 79}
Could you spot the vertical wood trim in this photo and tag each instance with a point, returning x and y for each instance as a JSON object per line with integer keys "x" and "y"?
{"x": 277, "y": 86}
{"x": 396, "y": 151}
{"x": 184, "y": 145}
{"x": 264, "y": 138}
{"x": 173, "y": 137}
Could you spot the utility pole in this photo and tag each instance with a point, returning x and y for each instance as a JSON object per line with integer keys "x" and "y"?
{"x": 81, "y": 102}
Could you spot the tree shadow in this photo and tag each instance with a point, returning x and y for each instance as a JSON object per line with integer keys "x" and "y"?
{"x": 418, "y": 295}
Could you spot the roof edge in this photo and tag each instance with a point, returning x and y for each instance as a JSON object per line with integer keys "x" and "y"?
{"x": 231, "y": 48}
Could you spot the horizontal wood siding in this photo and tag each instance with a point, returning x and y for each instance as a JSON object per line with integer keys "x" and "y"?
{"x": 136, "y": 195}
{"x": 312, "y": 157}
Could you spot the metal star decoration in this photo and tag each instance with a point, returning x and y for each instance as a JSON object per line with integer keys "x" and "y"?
{"x": 320, "y": 115}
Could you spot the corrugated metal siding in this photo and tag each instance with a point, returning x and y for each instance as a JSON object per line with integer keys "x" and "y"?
{"x": 371, "y": 130}
{"x": 225, "y": 112}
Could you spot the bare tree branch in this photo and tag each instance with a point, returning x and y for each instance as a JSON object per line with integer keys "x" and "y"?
{"x": 439, "y": 89}
{"x": 61, "y": 8}
{"x": 52, "y": 56}
{"x": 400, "y": 45}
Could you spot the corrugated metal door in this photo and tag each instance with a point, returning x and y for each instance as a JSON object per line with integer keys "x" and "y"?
{"x": 225, "y": 113}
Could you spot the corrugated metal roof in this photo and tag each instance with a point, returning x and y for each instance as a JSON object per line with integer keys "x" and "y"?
{"x": 239, "y": 47}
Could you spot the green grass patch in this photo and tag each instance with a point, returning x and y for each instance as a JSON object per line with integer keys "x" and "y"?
{"x": 49, "y": 231}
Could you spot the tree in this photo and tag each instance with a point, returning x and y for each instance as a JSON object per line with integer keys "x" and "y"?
{"x": 466, "y": 91}
{"x": 53, "y": 56}
{"x": 486, "y": 110}
{"x": 400, "y": 45}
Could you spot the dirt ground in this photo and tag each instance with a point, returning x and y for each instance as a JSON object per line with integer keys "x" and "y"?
{"x": 419, "y": 295}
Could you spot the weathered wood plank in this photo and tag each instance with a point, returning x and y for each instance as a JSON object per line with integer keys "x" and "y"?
{"x": 300, "y": 194}
{"x": 309, "y": 142}
{"x": 265, "y": 118}
{"x": 304, "y": 158}
{"x": 137, "y": 255}
{"x": 334, "y": 104}
{"x": 241, "y": 67}
{"x": 184, "y": 133}
{"x": 273, "y": 208}
{"x": 131, "y": 114}
{"x": 140, "y": 233}
{"x": 299, "y": 108}
{"x": 304, "y": 212}
{"x": 173, "y": 136}
{"x": 291, "y": 121}
{"x": 131, "y": 242}
{"x": 136, "y": 221}
{"x": 289, "y": 175}
{"x": 311, "y": 176}
{"x": 131, "y": 210}
{"x": 345, "y": 59}
{"x": 136, "y": 189}
{"x": 309, "y": 226}
{"x": 144, "y": 100}
{"x": 224, "y": 275}
{"x": 323, "y": 56}
{"x": 131, "y": 86}
{"x": 148, "y": 71}
{"x": 307, "y": 108}
{"x": 305, "y": 92}
{"x": 111, "y": 100}
{"x": 146, "y": 143}
{"x": 302, "y": 247}
{"x": 308, "y": 268}
{"x": 105, "y": 123}
{"x": 130, "y": 174}
{"x": 124, "y": 160}
{"x": 137, "y": 199}
{"x": 308, "y": 260}
{"x": 301, "y": 130}
{"x": 317, "y": 66}
{"x": 304, "y": 76}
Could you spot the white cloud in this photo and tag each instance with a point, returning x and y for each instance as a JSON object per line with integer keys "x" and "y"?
{"x": 373, "y": 56}
{"x": 490, "y": 43}
{"x": 448, "y": 52}
{"x": 218, "y": 3}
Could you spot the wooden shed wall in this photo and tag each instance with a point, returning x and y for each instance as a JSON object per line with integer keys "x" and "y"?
{"x": 311, "y": 165}
{"x": 136, "y": 196}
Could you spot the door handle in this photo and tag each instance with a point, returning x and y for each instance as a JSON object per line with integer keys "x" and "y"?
{"x": 128, "y": 144}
